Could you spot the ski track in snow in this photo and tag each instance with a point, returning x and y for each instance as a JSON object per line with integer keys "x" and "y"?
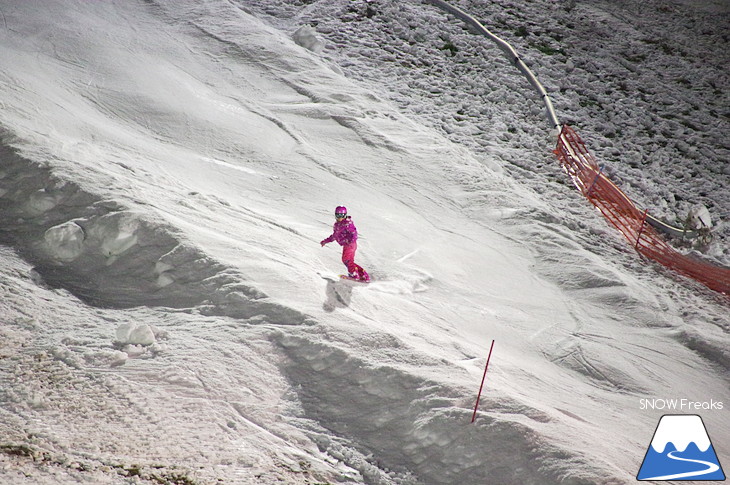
{"x": 166, "y": 173}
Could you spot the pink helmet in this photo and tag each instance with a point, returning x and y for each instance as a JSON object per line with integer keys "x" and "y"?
{"x": 341, "y": 210}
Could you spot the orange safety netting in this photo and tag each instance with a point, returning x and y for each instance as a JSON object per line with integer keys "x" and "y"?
{"x": 627, "y": 218}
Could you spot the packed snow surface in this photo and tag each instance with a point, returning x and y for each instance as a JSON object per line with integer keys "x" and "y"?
{"x": 167, "y": 170}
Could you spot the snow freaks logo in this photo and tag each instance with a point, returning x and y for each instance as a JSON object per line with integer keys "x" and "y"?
{"x": 681, "y": 450}
{"x": 680, "y": 404}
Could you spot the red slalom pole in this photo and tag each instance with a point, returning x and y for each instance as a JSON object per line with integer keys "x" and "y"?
{"x": 474, "y": 416}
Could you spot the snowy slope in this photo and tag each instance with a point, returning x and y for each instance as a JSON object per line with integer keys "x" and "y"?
{"x": 643, "y": 82}
{"x": 167, "y": 172}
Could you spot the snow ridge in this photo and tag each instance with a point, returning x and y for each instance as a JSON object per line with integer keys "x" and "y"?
{"x": 431, "y": 436}
{"x": 112, "y": 256}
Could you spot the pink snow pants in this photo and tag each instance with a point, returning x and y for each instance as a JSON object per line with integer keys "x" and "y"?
{"x": 348, "y": 258}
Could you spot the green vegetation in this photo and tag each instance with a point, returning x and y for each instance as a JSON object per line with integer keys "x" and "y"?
{"x": 546, "y": 49}
{"x": 449, "y": 46}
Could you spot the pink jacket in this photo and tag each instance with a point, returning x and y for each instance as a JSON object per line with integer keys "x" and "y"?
{"x": 344, "y": 232}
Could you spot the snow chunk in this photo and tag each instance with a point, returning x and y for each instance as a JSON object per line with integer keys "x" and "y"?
{"x": 116, "y": 233}
{"x": 164, "y": 277}
{"x": 65, "y": 241}
{"x": 40, "y": 202}
{"x": 164, "y": 280}
{"x": 306, "y": 37}
{"x": 110, "y": 358}
{"x": 699, "y": 217}
{"x": 135, "y": 334}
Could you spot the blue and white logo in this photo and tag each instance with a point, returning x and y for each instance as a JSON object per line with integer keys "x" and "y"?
{"x": 681, "y": 450}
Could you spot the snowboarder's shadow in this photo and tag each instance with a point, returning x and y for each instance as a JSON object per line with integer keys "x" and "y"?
{"x": 339, "y": 295}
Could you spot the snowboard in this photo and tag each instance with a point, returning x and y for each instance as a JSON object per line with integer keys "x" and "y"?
{"x": 342, "y": 277}
{"x": 355, "y": 280}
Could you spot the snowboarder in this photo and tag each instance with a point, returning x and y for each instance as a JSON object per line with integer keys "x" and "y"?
{"x": 345, "y": 233}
